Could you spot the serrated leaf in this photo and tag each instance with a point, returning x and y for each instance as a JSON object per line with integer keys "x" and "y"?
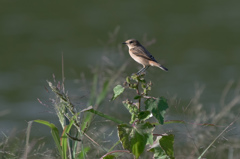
{"x": 157, "y": 107}
{"x": 124, "y": 131}
{"x": 158, "y": 153}
{"x": 146, "y": 129}
{"x": 138, "y": 143}
{"x": 117, "y": 91}
{"x": 133, "y": 110}
{"x": 144, "y": 115}
{"x": 135, "y": 138}
{"x": 165, "y": 151}
{"x": 166, "y": 143}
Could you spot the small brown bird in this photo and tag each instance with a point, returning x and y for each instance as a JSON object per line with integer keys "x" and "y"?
{"x": 142, "y": 56}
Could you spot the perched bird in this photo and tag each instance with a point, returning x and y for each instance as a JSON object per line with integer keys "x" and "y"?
{"x": 142, "y": 56}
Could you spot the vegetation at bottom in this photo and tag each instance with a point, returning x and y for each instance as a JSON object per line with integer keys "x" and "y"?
{"x": 86, "y": 130}
{"x": 136, "y": 136}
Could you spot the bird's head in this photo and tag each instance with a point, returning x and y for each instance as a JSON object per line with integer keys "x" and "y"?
{"x": 131, "y": 43}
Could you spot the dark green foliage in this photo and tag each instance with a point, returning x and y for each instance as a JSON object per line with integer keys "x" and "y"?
{"x": 157, "y": 107}
{"x": 134, "y": 136}
{"x": 166, "y": 143}
{"x": 139, "y": 134}
{"x": 163, "y": 147}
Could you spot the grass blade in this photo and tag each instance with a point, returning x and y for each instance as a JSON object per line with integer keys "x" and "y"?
{"x": 106, "y": 116}
{"x": 215, "y": 140}
{"x": 54, "y": 132}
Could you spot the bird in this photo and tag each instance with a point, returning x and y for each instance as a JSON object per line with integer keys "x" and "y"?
{"x": 142, "y": 56}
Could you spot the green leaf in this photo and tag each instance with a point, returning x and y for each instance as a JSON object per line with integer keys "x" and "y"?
{"x": 133, "y": 110}
{"x": 157, "y": 107}
{"x": 144, "y": 115}
{"x": 117, "y": 91}
{"x": 124, "y": 131}
{"x": 146, "y": 129}
{"x": 138, "y": 143}
{"x": 135, "y": 138}
{"x": 54, "y": 132}
{"x": 137, "y": 97}
{"x": 166, "y": 143}
{"x": 64, "y": 141}
{"x": 163, "y": 147}
{"x": 128, "y": 79}
{"x": 159, "y": 153}
{"x": 64, "y": 146}
{"x": 134, "y": 77}
{"x": 109, "y": 157}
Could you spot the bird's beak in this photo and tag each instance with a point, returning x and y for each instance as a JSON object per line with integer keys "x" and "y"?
{"x": 124, "y": 43}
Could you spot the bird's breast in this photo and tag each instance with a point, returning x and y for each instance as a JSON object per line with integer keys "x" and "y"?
{"x": 139, "y": 59}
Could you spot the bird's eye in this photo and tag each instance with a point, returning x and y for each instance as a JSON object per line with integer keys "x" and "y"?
{"x": 130, "y": 42}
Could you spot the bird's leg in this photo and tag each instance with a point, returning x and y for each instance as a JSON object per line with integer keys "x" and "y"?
{"x": 142, "y": 70}
{"x": 138, "y": 73}
{"x": 145, "y": 68}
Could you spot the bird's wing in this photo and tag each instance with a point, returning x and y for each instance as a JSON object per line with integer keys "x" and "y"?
{"x": 142, "y": 52}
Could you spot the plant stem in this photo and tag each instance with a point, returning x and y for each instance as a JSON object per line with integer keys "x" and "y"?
{"x": 138, "y": 92}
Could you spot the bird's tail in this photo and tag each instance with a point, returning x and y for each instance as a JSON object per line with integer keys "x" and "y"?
{"x": 156, "y": 64}
{"x": 162, "y": 67}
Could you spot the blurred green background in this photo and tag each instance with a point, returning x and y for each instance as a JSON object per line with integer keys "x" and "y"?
{"x": 198, "y": 41}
